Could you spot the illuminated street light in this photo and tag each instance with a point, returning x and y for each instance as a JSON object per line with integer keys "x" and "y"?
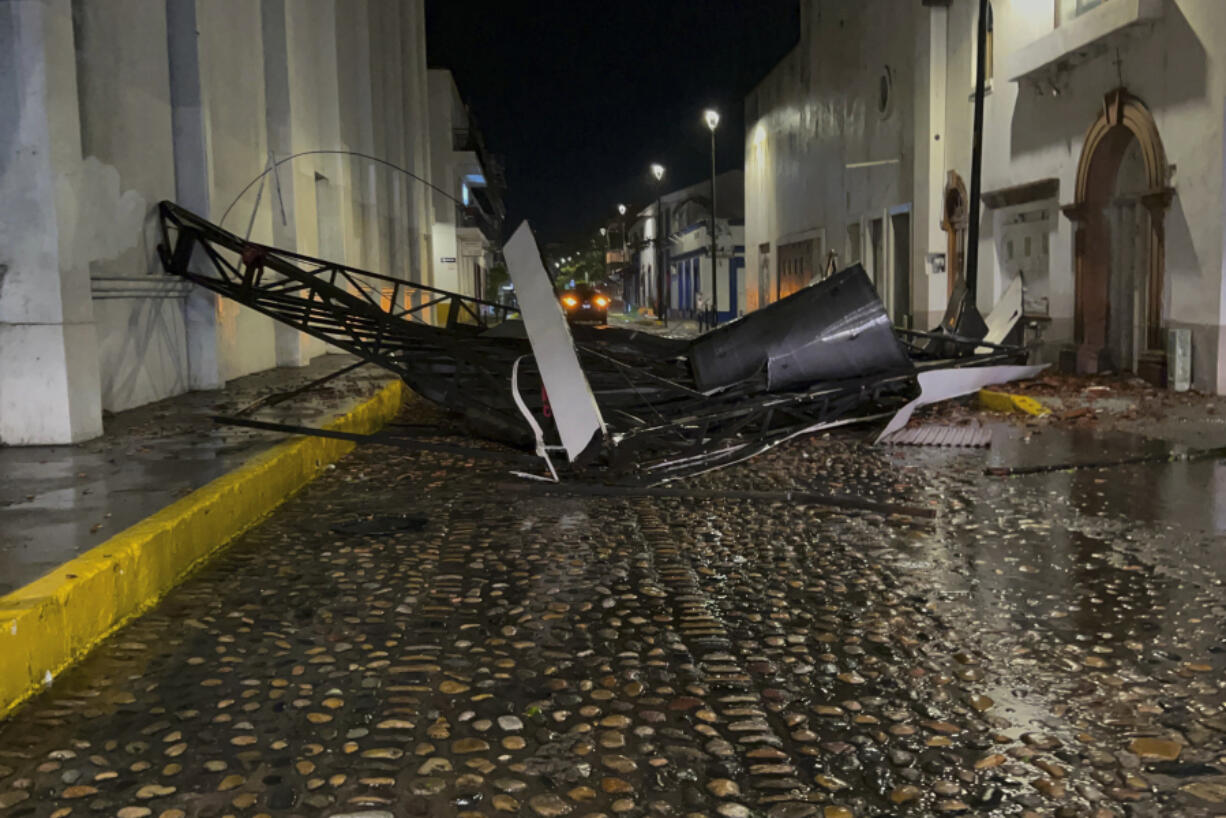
{"x": 621, "y": 211}
{"x": 657, "y": 170}
{"x": 712, "y": 117}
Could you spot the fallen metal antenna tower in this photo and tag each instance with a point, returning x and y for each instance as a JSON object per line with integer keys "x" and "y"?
{"x": 669, "y": 408}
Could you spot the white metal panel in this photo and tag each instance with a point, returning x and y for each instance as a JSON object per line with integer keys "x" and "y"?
{"x": 570, "y": 397}
{"x": 1004, "y": 316}
{"x": 943, "y": 384}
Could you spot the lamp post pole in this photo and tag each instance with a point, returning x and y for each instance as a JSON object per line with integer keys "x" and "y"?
{"x": 972, "y": 241}
{"x": 657, "y": 170}
{"x": 625, "y": 262}
{"x": 621, "y": 211}
{"x": 604, "y": 242}
{"x": 712, "y": 117}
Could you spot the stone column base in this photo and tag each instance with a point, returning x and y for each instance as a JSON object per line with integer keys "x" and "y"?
{"x": 50, "y": 392}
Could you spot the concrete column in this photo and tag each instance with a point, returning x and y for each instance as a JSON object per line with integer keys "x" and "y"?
{"x": 49, "y": 382}
{"x": 190, "y": 128}
{"x": 932, "y": 51}
{"x": 417, "y": 80}
{"x": 279, "y": 187}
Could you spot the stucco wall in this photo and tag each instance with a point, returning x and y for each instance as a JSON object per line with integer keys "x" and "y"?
{"x": 124, "y": 101}
{"x": 1029, "y": 136}
{"x": 446, "y": 113}
{"x": 279, "y": 75}
{"x": 804, "y": 127}
{"x": 816, "y": 114}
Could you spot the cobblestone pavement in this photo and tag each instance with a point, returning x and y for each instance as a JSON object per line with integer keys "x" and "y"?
{"x": 405, "y": 639}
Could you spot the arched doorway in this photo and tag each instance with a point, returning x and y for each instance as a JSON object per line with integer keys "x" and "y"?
{"x": 953, "y": 222}
{"x": 1120, "y": 209}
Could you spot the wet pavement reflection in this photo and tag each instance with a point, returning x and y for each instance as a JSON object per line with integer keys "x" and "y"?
{"x": 1050, "y": 645}
{"x": 57, "y": 502}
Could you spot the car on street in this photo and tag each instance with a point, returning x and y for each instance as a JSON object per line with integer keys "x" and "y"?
{"x": 583, "y": 303}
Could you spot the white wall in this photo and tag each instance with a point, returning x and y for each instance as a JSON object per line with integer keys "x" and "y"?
{"x": 813, "y": 115}
{"x": 445, "y": 114}
{"x": 124, "y": 101}
{"x": 49, "y": 381}
{"x": 1028, "y": 136}
{"x": 285, "y": 75}
{"x": 731, "y": 240}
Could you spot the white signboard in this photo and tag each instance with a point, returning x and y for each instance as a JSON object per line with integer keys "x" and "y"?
{"x": 570, "y": 397}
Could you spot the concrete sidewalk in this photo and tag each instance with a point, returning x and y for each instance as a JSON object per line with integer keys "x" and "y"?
{"x": 57, "y": 502}
{"x": 95, "y": 534}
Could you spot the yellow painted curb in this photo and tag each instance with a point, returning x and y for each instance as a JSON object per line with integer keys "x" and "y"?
{"x": 54, "y": 621}
{"x": 1004, "y": 402}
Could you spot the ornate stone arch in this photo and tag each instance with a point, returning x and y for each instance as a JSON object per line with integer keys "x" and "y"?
{"x": 1123, "y": 118}
{"x": 954, "y": 219}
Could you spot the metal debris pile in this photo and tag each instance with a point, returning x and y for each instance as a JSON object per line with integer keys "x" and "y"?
{"x": 615, "y": 405}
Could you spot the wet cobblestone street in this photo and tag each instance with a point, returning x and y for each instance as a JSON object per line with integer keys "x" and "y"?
{"x": 1044, "y": 647}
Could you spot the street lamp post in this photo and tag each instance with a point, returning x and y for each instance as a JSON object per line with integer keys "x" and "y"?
{"x": 712, "y": 118}
{"x": 621, "y": 211}
{"x": 657, "y": 171}
{"x": 604, "y": 241}
{"x": 627, "y": 299}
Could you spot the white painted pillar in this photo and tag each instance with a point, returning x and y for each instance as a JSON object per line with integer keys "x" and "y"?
{"x": 280, "y": 187}
{"x": 928, "y": 293}
{"x": 190, "y": 128}
{"x": 1216, "y": 337}
{"x": 49, "y": 382}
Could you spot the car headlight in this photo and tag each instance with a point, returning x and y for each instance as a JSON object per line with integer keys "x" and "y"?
{"x": 601, "y": 301}
{"x": 570, "y": 300}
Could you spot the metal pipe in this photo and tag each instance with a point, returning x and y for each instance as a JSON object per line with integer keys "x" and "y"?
{"x": 118, "y": 295}
{"x": 972, "y": 241}
{"x": 659, "y": 254}
{"x": 152, "y": 278}
{"x": 357, "y": 154}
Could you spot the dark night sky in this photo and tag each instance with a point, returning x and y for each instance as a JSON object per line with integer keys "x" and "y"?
{"x": 580, "y": 97}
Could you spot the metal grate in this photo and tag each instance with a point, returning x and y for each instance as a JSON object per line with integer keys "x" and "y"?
{"x": 932, "y": 434}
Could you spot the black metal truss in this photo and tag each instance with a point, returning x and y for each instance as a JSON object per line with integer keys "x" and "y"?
{"x": 381, "y": 319}
{"x": 660, "y": 426}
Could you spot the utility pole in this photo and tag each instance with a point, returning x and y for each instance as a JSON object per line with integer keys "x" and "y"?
{"x": 972, "y": 240}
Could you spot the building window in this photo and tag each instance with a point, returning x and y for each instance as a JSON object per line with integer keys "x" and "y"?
{"x": 885, "y": 92}
{"x": 1069, "y": 10}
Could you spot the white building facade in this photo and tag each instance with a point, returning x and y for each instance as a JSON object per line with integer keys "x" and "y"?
{"x": 468, "y": 205}
{"x": 112, "y": 107}
{"x": 859, "y": 143}
{"x": 684, "y": 252}
{"x": 689, "y": 262}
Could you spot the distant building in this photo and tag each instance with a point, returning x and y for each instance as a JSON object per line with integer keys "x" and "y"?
{"x": 112, "y": 107}
{"x": 1103, "y": 157}
{"x": 467, "y": 231}
{"x": 685, "y": 253}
